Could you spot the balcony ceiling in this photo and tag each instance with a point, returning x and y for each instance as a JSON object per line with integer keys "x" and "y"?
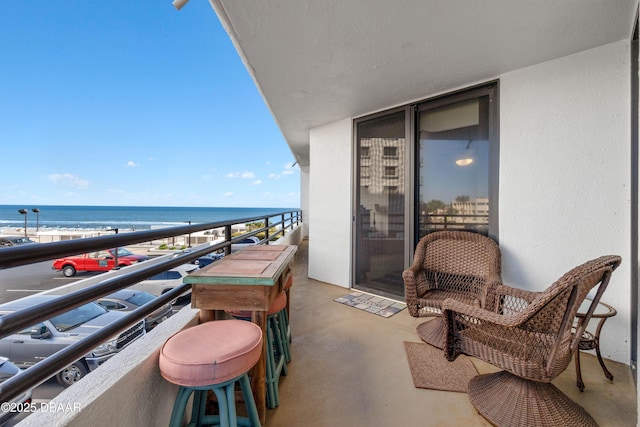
{"x": 320, "y": 61}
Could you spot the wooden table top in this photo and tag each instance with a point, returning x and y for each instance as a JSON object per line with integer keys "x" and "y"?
{"x": 255, "y": 265}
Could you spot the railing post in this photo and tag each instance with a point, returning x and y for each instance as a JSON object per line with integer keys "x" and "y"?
{"x": 266, "y": 233}
{"x": 227, "y": 237}
{"x": 284, "y": 226}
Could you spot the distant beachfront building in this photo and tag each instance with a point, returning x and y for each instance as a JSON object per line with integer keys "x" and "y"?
{"x": 477, "y": 208}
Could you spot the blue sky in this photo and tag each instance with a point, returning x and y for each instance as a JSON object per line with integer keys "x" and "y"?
{"x": 133, "y": 103}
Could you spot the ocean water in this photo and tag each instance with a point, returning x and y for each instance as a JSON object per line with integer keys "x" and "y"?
{"x": 122, "y": 217}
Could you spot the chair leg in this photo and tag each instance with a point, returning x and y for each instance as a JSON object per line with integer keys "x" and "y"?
{"x": 507, "y": 400}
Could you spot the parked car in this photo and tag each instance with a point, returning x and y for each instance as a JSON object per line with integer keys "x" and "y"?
{"x": 165, "y": 281}
{"x": 15, "y": 240}
{"x": 96, "y": 261}
{"x": 27, "y": 347}
{"x": 207, "y": 259}
{"x": 249, "y": 241}
{"x": 18, "y": 404}
{"x": 130, "y": 299}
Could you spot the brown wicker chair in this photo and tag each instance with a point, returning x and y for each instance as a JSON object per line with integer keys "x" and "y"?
{"x": 532, "y": 336}
{"x": 450, "y": 264}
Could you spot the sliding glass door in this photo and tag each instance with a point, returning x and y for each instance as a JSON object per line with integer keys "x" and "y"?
{"x": 427, "y": 166}
{"x": 380, "y": 193}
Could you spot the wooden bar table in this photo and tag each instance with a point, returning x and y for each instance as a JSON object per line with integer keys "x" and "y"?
{"x": 250, "y": 279}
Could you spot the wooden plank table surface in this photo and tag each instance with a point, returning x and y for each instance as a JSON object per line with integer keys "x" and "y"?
{"x": 250, "y": 279}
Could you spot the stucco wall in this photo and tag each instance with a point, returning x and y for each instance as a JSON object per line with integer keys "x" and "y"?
{"x": 330, "y": 203}
{"x": 565, "y": 174}
{"x": 304, "y": 200}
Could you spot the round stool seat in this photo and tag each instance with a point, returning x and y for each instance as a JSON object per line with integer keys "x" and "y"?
{"x": 211, "y": 352}
{"x": 276, "y": 306}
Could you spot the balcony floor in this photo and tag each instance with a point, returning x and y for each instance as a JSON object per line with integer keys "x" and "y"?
{"x": 349, "y": 368}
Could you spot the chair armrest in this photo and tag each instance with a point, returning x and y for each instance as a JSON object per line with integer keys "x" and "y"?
{"x": 506, "y": 299}
{"x": 506, "y": 290}
{"x": 451, "y": 306}
{"x": 459, "y": 317}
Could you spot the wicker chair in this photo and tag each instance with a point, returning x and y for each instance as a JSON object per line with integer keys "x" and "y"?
{"x": 449, "y": 264}
{"x": 532, "y": 336}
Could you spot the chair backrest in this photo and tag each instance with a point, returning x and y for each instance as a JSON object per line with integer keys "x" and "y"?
{"x": 462, "y": 253}
{"x": 553, "y": 312}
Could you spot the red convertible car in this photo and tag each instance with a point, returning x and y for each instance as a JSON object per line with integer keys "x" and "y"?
{"x": 96, "y": 261}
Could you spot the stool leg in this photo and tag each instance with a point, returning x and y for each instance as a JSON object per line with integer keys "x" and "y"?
{"x": 273, "y": 373}
{"x": 199, "y": 407}
{"x": 283, "y": 323}
{"x": 247, "y": 395}
{"x": 223, "y": 406}
{"x": 288, "y": 325}
{"x": 179, "y": 407}
{"x": 276, "y": 324}
{"x": 231, "y": 403}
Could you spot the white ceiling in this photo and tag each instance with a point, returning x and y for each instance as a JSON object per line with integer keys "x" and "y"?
{"x": 320, "y": 61}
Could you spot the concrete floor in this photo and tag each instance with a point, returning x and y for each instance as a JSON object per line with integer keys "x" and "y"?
{"x": 349, "y": 369}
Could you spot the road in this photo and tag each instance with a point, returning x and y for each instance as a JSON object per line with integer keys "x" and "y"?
{"x": 29, "y": 279}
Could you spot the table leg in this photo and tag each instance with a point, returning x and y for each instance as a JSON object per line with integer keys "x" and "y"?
{"x": 579, "y": 382}
{"x": 597, "y": 339}
{"x": 259, "y": 371}
{"x": 207, "y": 315}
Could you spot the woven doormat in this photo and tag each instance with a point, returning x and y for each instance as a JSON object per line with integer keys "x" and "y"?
{"x": 431, "y": 369}
{"x": 371, "y": 303}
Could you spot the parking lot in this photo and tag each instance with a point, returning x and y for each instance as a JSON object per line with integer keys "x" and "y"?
{"x": 27, "y": 280}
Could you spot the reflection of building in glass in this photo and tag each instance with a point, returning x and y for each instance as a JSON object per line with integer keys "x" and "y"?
{"x": 477, "y": 208}
{"x": 382, "y": 185}
{"x": 381, "y": 165}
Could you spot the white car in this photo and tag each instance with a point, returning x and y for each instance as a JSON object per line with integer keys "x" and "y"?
{"x": 165, "y": 281}
{"x": 249, "y": 241}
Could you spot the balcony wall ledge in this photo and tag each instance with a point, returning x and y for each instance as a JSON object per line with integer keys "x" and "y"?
{"x": 126, "y": 390}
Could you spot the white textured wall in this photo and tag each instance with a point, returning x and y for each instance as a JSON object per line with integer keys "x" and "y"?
{"x": 304, "y": 200}
{"x": 565, "y": 174}
{"x": 330, "y": 203}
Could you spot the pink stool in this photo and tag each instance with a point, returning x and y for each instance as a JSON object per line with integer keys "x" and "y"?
{"x": 212, "y": 356}
{"x": 278, "y": 352}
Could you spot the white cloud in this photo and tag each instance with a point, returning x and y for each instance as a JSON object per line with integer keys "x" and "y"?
{"x": 228, "y": 194}
{"x": 243, "y": 175}
{"x": 68, "y": 180}
{"x": 289, "y": 169}
{"x": 132, "y": 164}
{"x": 274, "y": 176}
{"x": 256, "y": 182}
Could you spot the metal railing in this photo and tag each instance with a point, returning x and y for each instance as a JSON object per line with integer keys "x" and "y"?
{"x": 475, "y": 222}
{"x": 275, "y": 226}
